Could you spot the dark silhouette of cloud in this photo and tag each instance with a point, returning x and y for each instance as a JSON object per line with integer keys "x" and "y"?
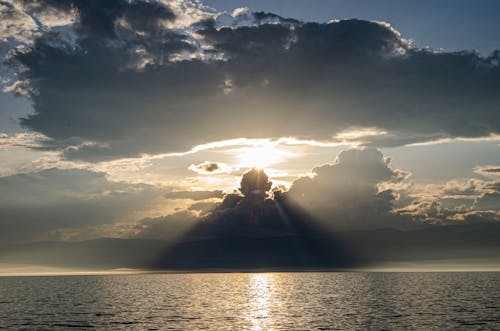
{"x": 255, "y": 184}
{"x": 127, "y": 84}
{"x": 251, "y": 212}
{"x": 246, "y": 231}
{"x": 96, "y": 18}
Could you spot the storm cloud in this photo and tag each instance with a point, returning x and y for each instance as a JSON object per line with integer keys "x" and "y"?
{"x": 129, "y": 81}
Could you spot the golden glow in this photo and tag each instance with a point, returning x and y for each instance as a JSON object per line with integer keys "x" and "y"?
{"x": 260, "y": 156}
{"x": 359, "y": 133}
{"x": 261, "y": 296}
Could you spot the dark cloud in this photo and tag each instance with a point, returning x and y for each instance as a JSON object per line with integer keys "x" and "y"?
{"x": 230, "y": 200}
{"x": 255, "y": 184}
{"x": 119, "y": 87}
{"x": 100, "y": 19}
{"x": 250, "y": 214}
{"x": 113, "y": 42}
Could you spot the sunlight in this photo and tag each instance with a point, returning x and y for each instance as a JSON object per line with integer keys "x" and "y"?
{"x": 358, "y": 133}
{"x": 260, "y": 156}
{"x": 261, "y": 292}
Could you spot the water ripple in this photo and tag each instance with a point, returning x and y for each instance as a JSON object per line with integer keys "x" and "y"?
{"x": 252, "y": 301}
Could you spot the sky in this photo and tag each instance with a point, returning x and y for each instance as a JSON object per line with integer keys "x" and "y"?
{"x": 136, "y": 119}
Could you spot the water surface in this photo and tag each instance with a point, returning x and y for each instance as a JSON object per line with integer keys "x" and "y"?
{"x": 253, "y": 301}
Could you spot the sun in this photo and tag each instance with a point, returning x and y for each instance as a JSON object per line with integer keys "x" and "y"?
{"x": 260, "y": 156}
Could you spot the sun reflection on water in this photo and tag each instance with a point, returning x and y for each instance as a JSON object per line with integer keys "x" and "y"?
{"x": 261, "y": 295}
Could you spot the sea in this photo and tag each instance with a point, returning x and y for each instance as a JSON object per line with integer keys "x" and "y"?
{"x": 253, "y": 301}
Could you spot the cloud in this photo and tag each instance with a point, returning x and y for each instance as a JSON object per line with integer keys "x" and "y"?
{"x": 454, "y": 202}
{"x": 207, "y": 168}
{"x": 471, "y": 187}
{"x": 339, "y": 196}
{"x": 129, "y": 83}
{"x": 240, "y": 11}
{"x": 22, "y": 139}
{"x": 34, "y": 206}
{"x": 15, "y": 23}
{"x": 255, "y": 184}
{"x": 488, "y": 171}
{"x": 477, "y": 216}
{"x": 248, "y": 213}
{"x": 346, "y": 194}
{"x": 428, "y": 211}
{"x": 95, "y": 18}
{"x": 193, "y": 195}
{"x": 489, "y": 201}
{"x": 170, "y": 227}
{"x": 432, "y": 212}
{"x": 358, "y": 190}
{"x": 203, "y": 208}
